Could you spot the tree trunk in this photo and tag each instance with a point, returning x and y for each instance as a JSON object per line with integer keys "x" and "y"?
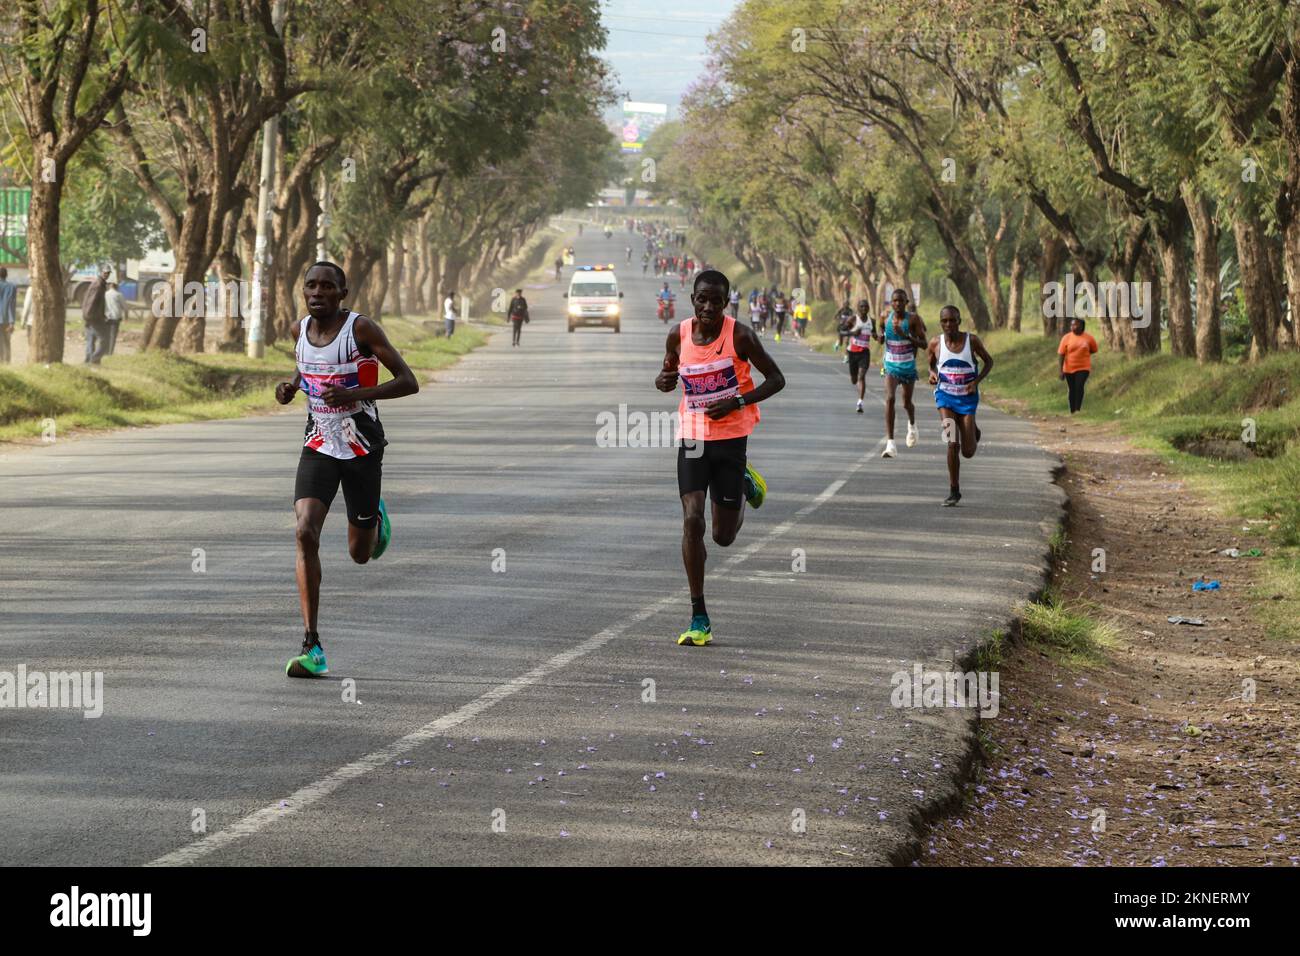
{"x": 1205, "y": 243}
{"x": 1282, "y": 339}
{"x": 189, "y": 268}
{"x": 962, "y": 264}
{"x": 992, "y": 281}
{"x": 230, "y": 275}
{"x": 398, "y": 274}
{"x": 1124, "y": 267}
{"x": 1148, "y": 339}
{"x": 49, "y": 315}
{"x": 381, "y": 287}
{"x": 1291, "y": 264}
{"x": 1050, "y": 263}
{"x": 1015, "y": 304}
{"x": 1257, "y": 287}
{"x": 1169, "y": 240}
{"x": 417, "y": 269}
{"x": 1288, "y": 204}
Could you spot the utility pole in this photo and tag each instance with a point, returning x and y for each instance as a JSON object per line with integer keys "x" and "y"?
{"x": 324, "y": 223}
{"x": 261, "y": 258}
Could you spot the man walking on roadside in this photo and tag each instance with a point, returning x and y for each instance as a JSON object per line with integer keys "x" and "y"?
{"x": 93, "y": 313}
{"x": 518, "y": 315}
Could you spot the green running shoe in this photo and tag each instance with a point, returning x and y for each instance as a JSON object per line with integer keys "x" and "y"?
{"x": 310, "y": 663}
{"x": 699, "y": 633}
{"x": 755, "y": 487}
{"x": 385, "y": 531}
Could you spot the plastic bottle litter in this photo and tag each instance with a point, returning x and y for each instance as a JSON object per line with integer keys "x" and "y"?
{"x": 1205, "y": 585}
{"x": 1178, "y": 619}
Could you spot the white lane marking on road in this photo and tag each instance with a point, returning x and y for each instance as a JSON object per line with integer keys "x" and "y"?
{"x": 315, "y": 792}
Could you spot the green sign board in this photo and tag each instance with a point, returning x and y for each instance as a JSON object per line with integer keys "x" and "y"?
{"x": 14, "y": 203}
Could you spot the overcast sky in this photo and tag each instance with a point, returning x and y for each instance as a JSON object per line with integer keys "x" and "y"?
{"x": 657, "y": 46}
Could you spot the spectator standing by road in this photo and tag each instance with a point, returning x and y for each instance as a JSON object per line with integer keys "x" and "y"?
{"x": 449, "y": 312}
{"x": 8, "y": 314}
{"x": 115, "y": 312}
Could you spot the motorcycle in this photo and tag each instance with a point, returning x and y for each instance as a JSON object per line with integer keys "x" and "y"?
{"x": 667, "y": 310}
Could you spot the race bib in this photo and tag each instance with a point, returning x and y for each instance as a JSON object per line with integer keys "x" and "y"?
{"x": 957, "y": 382}
{"x": 900, "y": 353}
{"x": 316, "y": 377}
{"x": 709, "y": 383}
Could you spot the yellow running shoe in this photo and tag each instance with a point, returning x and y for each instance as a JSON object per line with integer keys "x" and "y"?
{"x": 755, "y": 487}
{"x": 699, "y": 633}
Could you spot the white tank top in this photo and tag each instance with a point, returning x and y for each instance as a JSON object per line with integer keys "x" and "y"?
{"x": 340, "y": 431}
{"x": 957, "y": 370}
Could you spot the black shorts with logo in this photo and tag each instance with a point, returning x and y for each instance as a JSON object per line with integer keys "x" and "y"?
{"x": 717, "y": 467}
{"x": 319, "y": 476}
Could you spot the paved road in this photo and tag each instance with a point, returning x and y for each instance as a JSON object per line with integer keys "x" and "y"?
{"x": 514, "y": 697}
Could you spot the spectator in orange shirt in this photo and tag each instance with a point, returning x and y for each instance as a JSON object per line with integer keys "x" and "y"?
{"x": 1075, "y": 352}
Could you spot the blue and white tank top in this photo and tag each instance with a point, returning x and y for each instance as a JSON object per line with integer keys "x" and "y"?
{"x": 957, "y": 370}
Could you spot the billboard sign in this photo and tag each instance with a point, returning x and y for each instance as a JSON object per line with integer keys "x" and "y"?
{"x": 639, "y": 121}
{"x": 14, "y": 205}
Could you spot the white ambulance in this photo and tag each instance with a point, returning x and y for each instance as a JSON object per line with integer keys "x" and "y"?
{"x": 594, "y": 298}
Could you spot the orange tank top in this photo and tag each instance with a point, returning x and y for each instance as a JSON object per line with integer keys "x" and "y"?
{"x": 708, "y": 374}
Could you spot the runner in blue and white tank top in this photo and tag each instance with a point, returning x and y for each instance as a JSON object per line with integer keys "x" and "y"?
{"x": 903, "y": 333}
{"x": 958, "y": 363}
{"x": 339, "y": 353}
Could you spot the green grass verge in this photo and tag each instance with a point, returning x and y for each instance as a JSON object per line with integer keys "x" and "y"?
{"x": 1071, "y": 634}
{"x": 158, "y": 388}
{"x": 1196, "y": 419}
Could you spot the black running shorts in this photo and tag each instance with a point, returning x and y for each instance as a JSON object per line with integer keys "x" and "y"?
{"x": 319, "y": 476}
{"x": 717, "y": 467}
{"x": 859, "y": 362}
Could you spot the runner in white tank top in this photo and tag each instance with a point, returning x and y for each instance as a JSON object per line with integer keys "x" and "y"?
{"x": 339, "y": 353}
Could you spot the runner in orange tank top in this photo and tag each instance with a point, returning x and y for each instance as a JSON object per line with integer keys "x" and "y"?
{"x": 711, "y": 354}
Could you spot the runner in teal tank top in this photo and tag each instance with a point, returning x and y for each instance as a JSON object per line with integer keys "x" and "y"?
{"x": 903, "y": 333}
